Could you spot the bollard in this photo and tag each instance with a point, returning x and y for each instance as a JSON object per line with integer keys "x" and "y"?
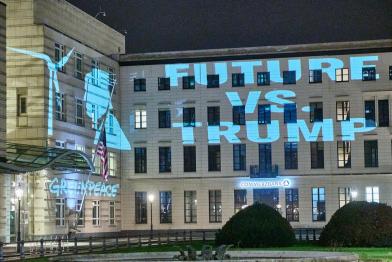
{"x": 149, "y": 241}
{"x": 22, "y": 253}
{"x": 190, "y": 236}
{"x": 90, "y": 244}
{"x": 159, "y": 239}
{"x": 41, "y": 249}
{"x": 184, "y": 236}
{"x": 176, "y": 236}
{"x": 168, "y": 238}
{"x": 128, "y": 241}
{"x": 140, "y": 241}
{"x": 314, "y": 234}
{"x": 104, "y": 244}
{"x": 300, "y": 235}
{"x": 60, "y": 250}
{"x": 116, "y": 241}
{"x": 1, "y": 252}
{"x": 204, "y": 236}
{"x": 75, "y": 251}
{"x": 307, "y": 235}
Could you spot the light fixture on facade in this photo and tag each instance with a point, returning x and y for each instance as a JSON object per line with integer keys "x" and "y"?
{"x": 354, "y": 194}
{"x": 151, "y": 198}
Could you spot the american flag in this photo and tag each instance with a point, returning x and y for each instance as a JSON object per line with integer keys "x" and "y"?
{"x": 102, "y": 152}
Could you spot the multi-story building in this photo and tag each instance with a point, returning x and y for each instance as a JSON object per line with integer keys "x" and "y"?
{"x": 304, "y": 129}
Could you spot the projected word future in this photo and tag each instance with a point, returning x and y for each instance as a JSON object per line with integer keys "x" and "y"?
{"x": 279, "y": 98}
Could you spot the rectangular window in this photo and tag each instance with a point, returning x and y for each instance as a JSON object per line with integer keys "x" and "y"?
{"x": 238, "y": 79}
{"x": 291, "y": 155}
{"x": 371, "y": 153}
{"x": 292, "y": 205}
{"x": 60, "y": 144}
{"x": 263, "y": 78}
{"x": 264, "y": 114}
{"x": 341, "y": 75}
{"x": 140, "y": 118}
{"x": 318, "y": 204}
{"x": 164, "y": 118}
{"x": 240, "y": 200}
{"x": 315, "y": 76}
{"x": 94, "y": 116}
{"x": 372, "y": 194}
{"x": 383, "y": 113}
{"x": 189, "y": 159}
{"x": 112, "y": 80}
{"x": 213, "y": 115}
{"x": 80, "y": 210}
{"x": 59, "y": 54}
{"x": 22, "y": 105}
{"x": 60, "y": 107}
{"x": 79, "y": 112}
{"x": 290, "y": 113}
{"x": 96, "y": 213}
{"x": 164, "y": 83}
{"x": 212, "y": 81}
{"x": 190, "y": 207}
{"x": 139, "y": 84}
{"x": 140, "y": 160}
{"x": 344, "y": 196}
{"x": 95, "y": 71}
{"x": 317, "y": 155}
{"x": 164, "y": 159}
{"x": 265, "y": 158}
{"x": 239, "y": 115}
{"x": 112, "y": 164}
{"x": 188, "y": 82}
{"x": 97, "y": 162}
{"x": 111, "y": 122}
{"x": 316, "y": 112}
{"x": 165, "y": 203}
{"x": 289, "y": 77}
{"x": 342, "y": 110}
{"x": 370, "y": 113}
{"x": 141, "y": 207}
{"x": 390, "y": 72}
{"x": 239, "y": 157}
{"x": 368, "y": 74}
{"x": 60, "y": 211}
{"x": 344, "y": 154}
{"x": 78, "y": 65}
{"x": 112, "y": 213}
{"x": 189, "y": 116}
{"x": 215, "y": 206}
{"x": 214, "y": 158}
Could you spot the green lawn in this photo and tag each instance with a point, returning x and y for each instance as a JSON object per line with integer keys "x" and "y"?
{"x": 365, "y": 254}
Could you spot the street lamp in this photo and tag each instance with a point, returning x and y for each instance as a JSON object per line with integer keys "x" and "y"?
{"x": 19, "y": 194}
{"x": 151, "y": 199}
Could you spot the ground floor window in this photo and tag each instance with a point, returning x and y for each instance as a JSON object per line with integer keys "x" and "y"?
{"x": 165, "y": 201}
{"x": 240, "y": 200}
{"x": 141, "y": 207}
{"x": 292, "y": 204}
{"x": 80, "y": 212}
{"x": 344, "y": 196}
{"x": 96, "y": 213}
{"x": 318, "y": 204}
{"x": 60, "y": 211}
{"x": 215, "y": 206}
{"x": 269, "y": 197}
{"x": 112, "y": 213}
{"x": 190, "y": 206}
{"x": 372, "y": 194}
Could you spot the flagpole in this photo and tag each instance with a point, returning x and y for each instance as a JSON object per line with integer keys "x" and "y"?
{"x": 96, "y": 146}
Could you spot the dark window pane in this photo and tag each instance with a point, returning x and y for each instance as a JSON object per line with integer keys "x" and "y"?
{"x": 368, "y": 73}
{"x": 238, "y": 79}
{"x": 164, "y": 118}
{"x": 371, "y": 153}
{"x": 164, "y": 159}
{"x": 263, "y": 78}
{"x": 189, "y": 117}
{"x": 239, "y": 157}
{"x": 189, "y": 158}
{"x": 317, "y": 154}
{"x": 315, "y": 76}
{"x": 163, "y": 83}
{"x": 240, "y": 200}
{"x": 213, "y": 115}
{"x": 290, "y": 113}
{"x": 383, "y": 113}
{"x": 264, "y": 114}
{"x": 165, "y": 203}
{"x": 265, "y": 158}
{"x": 188, "y": 82}
{"x": 291, "y": 155}
{"x": 214, "y": 158}
{"x": 370, "y": 113}
{"x": 316, "y": 112}
{"x": 239, "y": 115}
{"x": 141, "y": 207}
{"x": 139, "y": 84}
{"x": 289, "y": 77}
{"x": 212, "y": 81}
{"x": 140, "y": 160}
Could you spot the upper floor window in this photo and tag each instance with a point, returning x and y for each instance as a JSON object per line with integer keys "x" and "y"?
{"x": 290, "y": 113}
{"x": 368, "y": 74}
{"x": 188, "y": 82}
{"x": 383, "y": 113}
{"x": 139, "y": 84}
{"x": 263, "y": 78}
{"x": 189, "y": 116}
{"x": 78, "y": 65}
{"x": 60, "y": 107}
{"x": 265, "y": 158}
{"x": 316, "y": 155}
{"x": 342, "y": 110}
{"x": 214, "y": 158}
{"x": 164, "y": 83}
{"x": 238, "y": 79}
{"x": 164, "y": 118}
{"x": 390, "y": 72}
{"x": 79, "y": 116}
{"x": 341, "y": 75}
{"x": 316, "y": 112}
{"x": 164, "y": 159}
{"x": 140, "y": 118}
{"x": 212, "y": 81}
{"x": 289, "y": 77}
{"x": 112, "y": 164}
{"x": 371, "y": 153}
{"x": 95, "y": 71}
{"x": 59, "y": 54}
{"x": 60, "y": 211}
{"x": 239, "y": 157}
{"x": 213, "y": 115}
{"x": 239, "y": 115}
{"x": 264, "y": 114}
{"x": 22, "y": 105}
{"x": 189, "y": 159}
{"x": 140, "y": 160}
{"x": 112, "y": 80}
{"x": 344, "y": 154}
{"x": 370, "y": 113}
{"x": 291, "y": 155}
{"x": 315, "y": 76}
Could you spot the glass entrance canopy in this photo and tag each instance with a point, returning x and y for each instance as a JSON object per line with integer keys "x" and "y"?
{"x": 22, "y": 158}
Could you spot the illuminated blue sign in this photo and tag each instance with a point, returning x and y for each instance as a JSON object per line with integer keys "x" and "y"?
{"x": 265, "y": 183}
{"x": 74, "y": 188}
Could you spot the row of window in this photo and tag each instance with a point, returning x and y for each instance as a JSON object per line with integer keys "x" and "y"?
{"x": 267, "y": 196}
{"x": 95, "y": 212}
{"x": 262, "y": 79}
{"x": 265, "y": 156}
{"x": 264, "y": 114}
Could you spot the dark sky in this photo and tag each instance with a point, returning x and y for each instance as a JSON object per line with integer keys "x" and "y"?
{"x": 167, "y": 25}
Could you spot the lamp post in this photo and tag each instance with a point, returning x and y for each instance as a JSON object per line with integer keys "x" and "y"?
{"x": 19, "y": 194}
{"x": 151, "y": 199}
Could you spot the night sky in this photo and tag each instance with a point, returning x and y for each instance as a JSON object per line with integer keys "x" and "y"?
{"x": 169, "y": 25}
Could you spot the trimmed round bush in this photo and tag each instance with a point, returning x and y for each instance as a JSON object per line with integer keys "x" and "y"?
{"x": 258, "y": 225}
{"x": 360, "y": 224}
